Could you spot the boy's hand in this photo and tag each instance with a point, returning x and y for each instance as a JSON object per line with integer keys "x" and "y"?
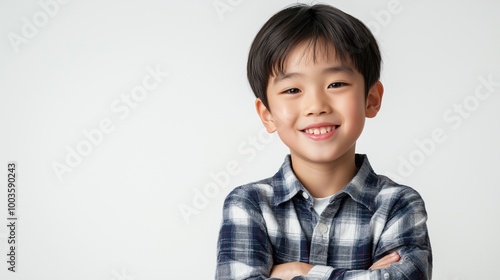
{"x": 386, "y": 261}
{"x": 287, "y": 271}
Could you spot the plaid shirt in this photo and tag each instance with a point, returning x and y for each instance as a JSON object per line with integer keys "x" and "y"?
{"x": 272, "y": 222}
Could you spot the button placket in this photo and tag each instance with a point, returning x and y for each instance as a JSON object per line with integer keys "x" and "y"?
{"x": 321, "y": 235}
{"x": 319, "y": 244}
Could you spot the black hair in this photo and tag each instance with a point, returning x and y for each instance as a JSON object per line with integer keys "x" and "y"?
{"x": 316, "y": 24}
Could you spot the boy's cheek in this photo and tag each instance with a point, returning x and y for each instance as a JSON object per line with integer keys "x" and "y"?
{"x": 285, "y": 115}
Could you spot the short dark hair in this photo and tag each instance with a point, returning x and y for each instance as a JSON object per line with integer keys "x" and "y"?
{"x": 316, "y": 24}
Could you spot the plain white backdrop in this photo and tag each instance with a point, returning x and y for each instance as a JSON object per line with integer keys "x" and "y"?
{"x": 130, "y": 121}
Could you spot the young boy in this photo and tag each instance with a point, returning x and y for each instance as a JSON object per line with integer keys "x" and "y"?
{"x": 325, "y": 214}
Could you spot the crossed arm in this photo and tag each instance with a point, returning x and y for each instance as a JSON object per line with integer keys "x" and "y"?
{"x": 287, "y": 271}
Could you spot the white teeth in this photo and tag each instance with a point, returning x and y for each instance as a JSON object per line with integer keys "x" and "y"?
{"x": 319, "y": 130}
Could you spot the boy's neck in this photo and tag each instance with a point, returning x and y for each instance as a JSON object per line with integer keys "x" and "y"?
{"x": 325, "y": 179}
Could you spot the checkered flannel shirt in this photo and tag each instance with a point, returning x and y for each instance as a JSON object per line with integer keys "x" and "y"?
{"x": 272, "y": 222}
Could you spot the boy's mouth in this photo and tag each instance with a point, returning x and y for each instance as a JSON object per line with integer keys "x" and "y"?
{"x": 318, "y": 130}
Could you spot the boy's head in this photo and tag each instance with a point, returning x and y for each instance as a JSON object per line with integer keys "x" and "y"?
{"x": 315, "y": 72}
{"x": 318, "y": 26}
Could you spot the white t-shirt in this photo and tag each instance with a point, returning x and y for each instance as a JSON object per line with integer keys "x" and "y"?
{"x": 321, "y": 203}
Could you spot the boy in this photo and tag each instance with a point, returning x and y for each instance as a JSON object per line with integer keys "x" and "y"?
{"x": 326, "y": 214}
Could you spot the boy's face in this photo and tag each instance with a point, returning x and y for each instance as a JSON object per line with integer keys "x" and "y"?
{"x": 318, "y": 108}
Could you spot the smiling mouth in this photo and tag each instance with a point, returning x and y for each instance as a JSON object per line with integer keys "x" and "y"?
{"x": 320, "y": 130}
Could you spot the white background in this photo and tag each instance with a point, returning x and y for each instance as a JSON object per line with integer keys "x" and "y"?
{"x": 116, "y": 214}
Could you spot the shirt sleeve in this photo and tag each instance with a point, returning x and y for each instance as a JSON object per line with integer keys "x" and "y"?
{"x": 405, "y": 232}
{"x": 243, "y": 247}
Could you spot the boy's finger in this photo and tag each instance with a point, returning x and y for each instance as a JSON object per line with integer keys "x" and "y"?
{"x": 386, "y": 261}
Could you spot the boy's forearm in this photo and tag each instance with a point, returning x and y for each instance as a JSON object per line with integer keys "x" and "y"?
{"x": 293, "y": 269}
{"x": 389, "y": 267}
{"x": 405, "y": 269}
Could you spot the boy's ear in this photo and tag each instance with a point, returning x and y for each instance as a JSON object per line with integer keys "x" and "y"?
{"x": 265, "y": 116}
{"x": 374, "y": 99}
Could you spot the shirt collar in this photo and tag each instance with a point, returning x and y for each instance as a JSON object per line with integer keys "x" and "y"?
{"x": 362, "y": 188}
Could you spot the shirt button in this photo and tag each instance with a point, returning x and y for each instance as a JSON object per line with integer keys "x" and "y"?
{"x": 322, "y": 229}
{"x": 305, "y": 195}
{"x": 386, "y": 275}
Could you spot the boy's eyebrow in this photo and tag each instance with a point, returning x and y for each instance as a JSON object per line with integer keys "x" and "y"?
{"x": 340, "y": 68}
{"x": 330, "y": 70}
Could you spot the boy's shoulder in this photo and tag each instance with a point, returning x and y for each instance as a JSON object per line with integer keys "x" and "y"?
{"x": 393, "y": 195}
{"x": 253, "y": 193}
{"x": 367, "y": 188}
{"x": 377, "y": 191}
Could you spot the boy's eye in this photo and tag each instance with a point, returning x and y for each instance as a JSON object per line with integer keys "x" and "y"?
{"x": 292, "y": 90}
{"x": 337, "y": 85}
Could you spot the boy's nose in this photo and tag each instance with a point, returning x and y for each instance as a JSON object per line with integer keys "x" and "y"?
{"x": 316, "y": 103}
